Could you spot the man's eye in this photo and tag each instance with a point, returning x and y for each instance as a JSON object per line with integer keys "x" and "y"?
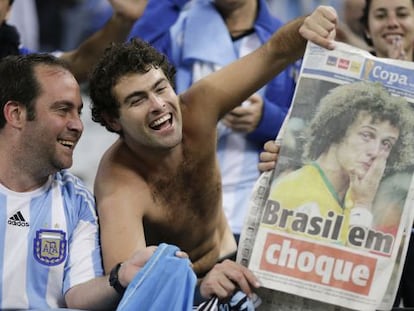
{"x": 387, "y": 145}
{"x": 366, "y": 135}
{"x": 136, "y": 102}
{"x": 63, "y": 110}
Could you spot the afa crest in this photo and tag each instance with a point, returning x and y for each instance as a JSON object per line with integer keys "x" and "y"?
{"x": 49, "y": 247}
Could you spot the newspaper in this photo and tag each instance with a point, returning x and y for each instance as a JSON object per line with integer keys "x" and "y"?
{"x": 350, "y": 260}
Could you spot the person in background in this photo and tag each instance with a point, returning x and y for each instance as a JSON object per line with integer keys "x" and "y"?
{"x": 24, "y": 16}
{"x": 351, "y": 30}
{"x": 237, "y": 28}
{"x": 160, "y": 181}
{"x": 82, "y": 59}
{"x": 389, "y": 28}
{"x": 288, "y": 9}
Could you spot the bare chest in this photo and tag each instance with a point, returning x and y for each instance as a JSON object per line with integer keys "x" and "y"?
{"x": 185, "y": 206}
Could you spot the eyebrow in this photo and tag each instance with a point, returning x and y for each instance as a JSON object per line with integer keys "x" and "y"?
{"x": 399, "y": 8}
{"x": 376, "y": 130}
{"x": 67, "y": 103}
{"x": 139, "y": 93}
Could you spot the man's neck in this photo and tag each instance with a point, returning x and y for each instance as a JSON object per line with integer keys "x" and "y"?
{"x": 242, "y": 19}
{"x": 17, "y": 177}
{"x": 150, "y": 161}
{"x": 20, "y": 182}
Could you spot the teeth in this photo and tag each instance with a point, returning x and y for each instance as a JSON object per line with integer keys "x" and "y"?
{"x": 161, "y": 120}
{"x": 394, "y": 38}
{"x": 66, "y": 143}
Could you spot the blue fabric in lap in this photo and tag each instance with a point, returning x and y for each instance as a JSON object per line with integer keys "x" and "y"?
{"x": 166, "y": 282}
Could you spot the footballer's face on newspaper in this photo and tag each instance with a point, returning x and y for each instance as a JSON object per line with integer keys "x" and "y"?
{"x": 149, "y": 113}
{"x": 364, "y": 142}
{"x": 391, "y": 27}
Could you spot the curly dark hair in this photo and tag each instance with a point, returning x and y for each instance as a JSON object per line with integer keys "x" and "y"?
{"x": 118, "y": 60}
{"x": 341, "y": 107}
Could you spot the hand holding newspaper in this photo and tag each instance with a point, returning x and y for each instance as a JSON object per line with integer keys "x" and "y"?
{"x": 329, "y": 227}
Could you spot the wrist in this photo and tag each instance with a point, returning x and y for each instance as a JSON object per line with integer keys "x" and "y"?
{"x": 114, "y": 279}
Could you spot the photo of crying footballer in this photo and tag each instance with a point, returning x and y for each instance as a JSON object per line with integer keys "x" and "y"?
{"x": 345, "y": 166}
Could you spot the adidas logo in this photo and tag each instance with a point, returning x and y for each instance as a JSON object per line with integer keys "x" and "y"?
{"x": 18, "y": 220}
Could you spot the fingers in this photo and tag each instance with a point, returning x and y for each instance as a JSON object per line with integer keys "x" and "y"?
{"x": 363, "y": 188}
{"x": 268, "y": 158}
{"x": 221, "y": 286}
{"x": 266, "y": 166}
{"x": 396, "y": 49}
{"x": 242, "y": 276}
{"x": 181, "y": 254}
{"x": 319, "y": 27}
{"x": 256, "y": 99}
{"x": 376, "y": 171}
{"x": 272, "y": 147}
{"x": 270, "y": 155}
{"x": 244, "y": 119}
{"x": 239, "y": 126}
{"x": 143, "y": 255}
{"x": 225, "y": 278}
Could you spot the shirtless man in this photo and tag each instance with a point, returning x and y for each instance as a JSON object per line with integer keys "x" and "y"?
{"x": 160, "y": 182}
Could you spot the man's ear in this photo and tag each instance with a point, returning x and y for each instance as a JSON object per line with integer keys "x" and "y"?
{"x": 112, "y": 122}
{"x": 14, "y": 113}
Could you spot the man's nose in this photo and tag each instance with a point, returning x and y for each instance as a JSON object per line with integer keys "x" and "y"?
{"x": 157, "y": 103}
{"x": 75, "y": 123}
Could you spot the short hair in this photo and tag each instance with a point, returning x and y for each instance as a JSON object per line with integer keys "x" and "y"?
{"x": 18, "y": 81}
{"x": 11, "y": 2}
{"x": 118, "y": 60}
{"x": 341, "y": 107}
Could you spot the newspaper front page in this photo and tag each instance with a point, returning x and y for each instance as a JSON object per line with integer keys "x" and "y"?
{"x": 328, "y": 229}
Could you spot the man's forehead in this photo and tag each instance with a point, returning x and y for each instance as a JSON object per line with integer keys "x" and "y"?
{"x": 47, "y": 70}
{"x": 365, "y": 118}
{"x": 140, "y": 81}
{"x": 151, "y": 73}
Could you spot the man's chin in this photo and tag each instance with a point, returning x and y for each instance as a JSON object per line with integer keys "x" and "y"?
{"x": 361, "y": 174}
{"x": 63, "y": 165}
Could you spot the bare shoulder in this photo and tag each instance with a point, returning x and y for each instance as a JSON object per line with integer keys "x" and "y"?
{"x": 113, "y": 169}
{"x": 117, "y": 183}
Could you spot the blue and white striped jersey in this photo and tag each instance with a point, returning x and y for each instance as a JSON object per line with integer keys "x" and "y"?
{"x": 49, "y": 242}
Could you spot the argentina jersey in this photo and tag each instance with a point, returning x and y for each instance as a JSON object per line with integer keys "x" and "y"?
{"x": 48, "y": 243}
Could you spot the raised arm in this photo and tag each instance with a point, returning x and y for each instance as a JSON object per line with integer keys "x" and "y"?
{"x": 82, "y": 59}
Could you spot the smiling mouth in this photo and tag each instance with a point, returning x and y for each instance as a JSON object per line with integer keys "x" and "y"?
{"x": 66, "y": 143}
{"x": 394, "y": 39}
{"x": 161, "y": 122}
